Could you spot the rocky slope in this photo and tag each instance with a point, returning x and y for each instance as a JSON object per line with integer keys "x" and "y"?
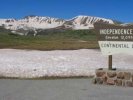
{"x": 36, "y": 22}
{"x": 79, "y": 22}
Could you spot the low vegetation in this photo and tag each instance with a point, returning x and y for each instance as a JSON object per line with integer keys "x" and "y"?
{"x": 65, "y": 40}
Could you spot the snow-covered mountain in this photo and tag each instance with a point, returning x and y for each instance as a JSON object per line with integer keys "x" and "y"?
{"x": 87, "y": 22}
{"x": 37, "y": 22}
{"x": 31, "y": 22}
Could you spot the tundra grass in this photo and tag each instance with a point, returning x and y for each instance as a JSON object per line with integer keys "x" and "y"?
{"x": 69, "y": 40}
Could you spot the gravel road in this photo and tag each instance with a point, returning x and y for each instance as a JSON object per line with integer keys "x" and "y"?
{"x": 62, "y": 89}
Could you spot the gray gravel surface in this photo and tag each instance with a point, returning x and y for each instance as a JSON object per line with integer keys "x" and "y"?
{"x": 61, "y": 89}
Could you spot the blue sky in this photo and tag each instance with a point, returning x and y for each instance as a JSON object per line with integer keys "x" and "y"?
{"x": 121, "y": 10}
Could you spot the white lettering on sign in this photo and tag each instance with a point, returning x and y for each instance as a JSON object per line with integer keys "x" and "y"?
{"x": 114, "y": 47}
{"x": 116, "y": 31}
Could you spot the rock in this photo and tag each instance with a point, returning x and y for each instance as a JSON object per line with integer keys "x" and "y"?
{"x": 100, "y": 73}
{"x": 94, "y": 81}
{"x": 120, "y": 75}
{"x": 99, "y": 80}
{"x": 129, "y": 83}
{"x": 110, "y": 81}
{"x": 111, "y": 74}
{"x": 132, "y": 77}
{"x": 123, "y": 83}
{"x": 104, "y": 77}
{"x": 127, "y": 75}
{"x": 118, "y": 82}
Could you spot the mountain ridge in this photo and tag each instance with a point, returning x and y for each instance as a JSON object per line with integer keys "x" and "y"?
{"x": 22, "y": 26}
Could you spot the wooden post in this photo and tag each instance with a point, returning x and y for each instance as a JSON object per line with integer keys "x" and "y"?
{"x": 110, "y": 62}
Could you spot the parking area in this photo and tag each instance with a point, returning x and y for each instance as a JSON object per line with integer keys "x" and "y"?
{"x": 61, "y": 89}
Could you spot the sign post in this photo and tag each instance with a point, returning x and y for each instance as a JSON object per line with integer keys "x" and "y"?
{"x": 114, "y": 39}
{"x": 110, "y": 62}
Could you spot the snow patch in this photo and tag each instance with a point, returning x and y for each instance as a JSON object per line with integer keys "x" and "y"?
{"x": 32, "y": 64}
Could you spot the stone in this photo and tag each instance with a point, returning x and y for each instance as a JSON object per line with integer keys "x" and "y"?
{"x": 94, "y": 81}
{"x": 120, "y": 75}
{"x": 132, "y": 77}
{"x": 117, "y": 78}
{"x": 111, "y": 74}
{"x": 129, "y": 83}
{"x": 100, "y": 73}
{"x": 118, "y": 82}
{"x": 123, "y": 83}
{"x": 104, "y": 77}
{"x": 99, "y": 80}
{"x": 110, "y": 81}
{"x": 127, "y": 75}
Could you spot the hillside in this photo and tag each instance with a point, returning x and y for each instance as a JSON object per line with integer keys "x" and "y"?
{"x": 50, "y": 40}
